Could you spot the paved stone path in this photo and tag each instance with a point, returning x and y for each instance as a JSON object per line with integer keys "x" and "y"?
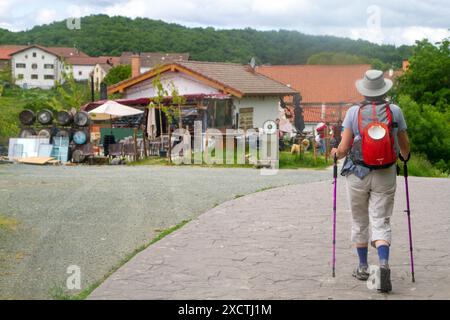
{"x": 277, "y": 245}
{"x": 92, "y": 217}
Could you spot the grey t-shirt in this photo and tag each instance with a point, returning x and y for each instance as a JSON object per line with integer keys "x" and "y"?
{"x": 351, "y": 122}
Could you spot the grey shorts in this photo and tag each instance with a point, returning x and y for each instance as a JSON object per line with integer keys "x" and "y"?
{"x": 372, "y": 203}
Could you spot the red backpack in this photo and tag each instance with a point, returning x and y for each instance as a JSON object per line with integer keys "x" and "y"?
{"x": 376, "y": 149}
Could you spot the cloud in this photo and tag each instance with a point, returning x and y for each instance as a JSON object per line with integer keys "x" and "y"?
{"x": 45, "y": 16}
{"x": 400, "y": 21}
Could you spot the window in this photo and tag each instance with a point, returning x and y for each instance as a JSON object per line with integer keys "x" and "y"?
{"x": 43, "y": 57}
{"x": 34, "y": 76}
{"x": 34, "y": 66}
{"x": 49, "y": 66}
{"x": 246, "y": 118}
{"x": 21, "y": 65}
{"x": 220, "y": 114}
{"x": 34, "y": 55}
{"x": 49, "y": 77}
{"x": 20, "y": 76}
{"x": 80, "y": 73}
{"x": 26, "y": 56}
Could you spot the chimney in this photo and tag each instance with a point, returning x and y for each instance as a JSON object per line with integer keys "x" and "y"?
{"x": 405, "y": 65}
{"x": 135, "y": 65}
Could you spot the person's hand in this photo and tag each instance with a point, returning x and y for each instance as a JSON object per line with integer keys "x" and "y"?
{"x": 405, "y": 160}
{"x": 335, "y": 153}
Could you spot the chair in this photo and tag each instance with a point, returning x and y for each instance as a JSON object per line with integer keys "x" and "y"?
{"x": 115, "y": 150}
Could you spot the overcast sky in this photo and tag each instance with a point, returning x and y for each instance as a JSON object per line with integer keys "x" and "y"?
{"x": 394, "y": 22}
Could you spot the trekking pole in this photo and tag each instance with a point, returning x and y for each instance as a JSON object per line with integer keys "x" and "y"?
{"x": 335, "y": 171}
{"x": 334, "y": 145}
{"x": 408, "y": 212}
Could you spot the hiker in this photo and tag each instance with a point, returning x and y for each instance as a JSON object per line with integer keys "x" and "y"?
{"x": 320, "y": 137}
{"x": 374, "y": 135}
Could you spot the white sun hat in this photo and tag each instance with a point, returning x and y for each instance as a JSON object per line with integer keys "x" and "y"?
{"x": 373, "y": 84}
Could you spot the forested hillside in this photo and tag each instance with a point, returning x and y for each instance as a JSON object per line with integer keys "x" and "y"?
{"x": 103, "y": 35}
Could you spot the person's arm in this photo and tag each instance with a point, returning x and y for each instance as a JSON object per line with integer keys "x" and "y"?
{"x": 345, "y": 145}
{"x": 403, "y": 143}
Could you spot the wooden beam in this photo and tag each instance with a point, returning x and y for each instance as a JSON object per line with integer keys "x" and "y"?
{"x": 120, "y": 87}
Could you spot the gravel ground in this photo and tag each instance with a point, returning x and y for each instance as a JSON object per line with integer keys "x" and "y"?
{"x": 93, "y": 217}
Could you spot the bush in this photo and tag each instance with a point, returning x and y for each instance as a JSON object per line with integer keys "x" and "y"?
{"x": 429, "y": 131}
{"x": 420, "y": 166}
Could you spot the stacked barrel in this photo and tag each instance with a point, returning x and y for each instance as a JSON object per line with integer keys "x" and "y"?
{"x": 81, "y": 136}
{"x": 64, "y": 124}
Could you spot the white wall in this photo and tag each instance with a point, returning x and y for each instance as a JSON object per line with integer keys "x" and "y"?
{"x": 85, "y": 72}
{"x": 99, "y": 75}
{"x": 42, "y": 58}
{"x": 264, "y": 108}
{"x": 184, "y": 84}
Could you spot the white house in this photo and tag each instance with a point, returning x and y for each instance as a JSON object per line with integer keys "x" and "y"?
{"x": 83, "y": 67}
{"x": 251, "y": 98}
{"x": 40, "y": 67}
{"x": 37, "y": 67}
{"x": 100, "y": 72}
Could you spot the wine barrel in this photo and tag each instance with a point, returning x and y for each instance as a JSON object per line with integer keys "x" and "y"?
{"x": 64, "y": 118}
{"x": 27, "y": 117}
{"x": 64, "y": 133}
{"x": 82, "y": 119}
{"x": 45, "y": 133}
{"x": 78, "y": 157}
{"x": 27, "y": 133}
{"x": 80, "y": 137}
{"x": 45, "y": 116}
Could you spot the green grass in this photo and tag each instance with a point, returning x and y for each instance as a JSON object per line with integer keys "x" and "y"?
{"x": 151, "y": 161}
{"x": 287, "y": 161}
{"x": 58, "y": 293}
{"x": 305, "y": 160}
{"x": 419, "y": 166}
{"x": 8, "y": 223}
{"x": 9, "y": 118}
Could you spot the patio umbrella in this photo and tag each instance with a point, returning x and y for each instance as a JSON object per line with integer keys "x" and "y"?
{"x": 112, "y": 109}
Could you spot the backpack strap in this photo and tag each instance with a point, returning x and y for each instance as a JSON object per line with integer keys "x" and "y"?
{"x": 374, "y": 112}
{"x": 359, "y": 120}
{"x": 389, "y": 116}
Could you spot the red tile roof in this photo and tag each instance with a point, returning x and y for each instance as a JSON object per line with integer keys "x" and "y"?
{"x": 239, "y": 80}
{"x": 320, "y": 83}
{"x": 154, "y": 59}
{"x": 7, "y": 50}
{"x": 67, "y": 52}
{"x": 63, "y": 52}
{"x": 86, "y": 61}
{"x": 313, "y": 113}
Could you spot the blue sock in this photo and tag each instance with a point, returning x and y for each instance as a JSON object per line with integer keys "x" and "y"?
{"x": 383, "y": 254}
{"x": 362, "y": 254}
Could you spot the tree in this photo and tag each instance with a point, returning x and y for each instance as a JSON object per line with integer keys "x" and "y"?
{"x": 110, "y": 36}
{"x": 427, "y": 80}
{"x": 117, "y": 74}
{"x": 423, "y": 92}
{"x": 337, "y": 58}
{"x": 69, "y": 95}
